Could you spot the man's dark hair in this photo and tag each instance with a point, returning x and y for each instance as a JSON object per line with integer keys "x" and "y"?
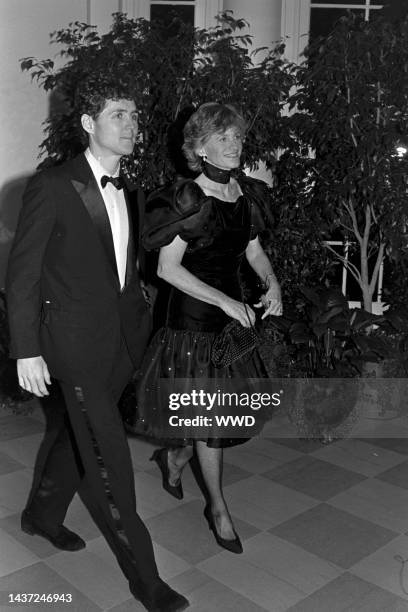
{"x": 92, "y": 94}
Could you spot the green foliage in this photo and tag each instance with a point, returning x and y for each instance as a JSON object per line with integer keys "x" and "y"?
{"x": 169, "y": 75}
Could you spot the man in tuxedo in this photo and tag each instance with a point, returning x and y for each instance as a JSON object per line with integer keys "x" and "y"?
{"x": 78, "y": 315}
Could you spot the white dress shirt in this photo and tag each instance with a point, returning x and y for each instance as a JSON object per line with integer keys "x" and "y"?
{"x": 116, "y": 208}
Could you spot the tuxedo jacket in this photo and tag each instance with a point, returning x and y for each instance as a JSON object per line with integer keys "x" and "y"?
{"x": 63, "y": 292}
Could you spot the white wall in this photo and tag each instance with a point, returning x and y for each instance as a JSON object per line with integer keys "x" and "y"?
{"x": 264, "y": 17}
{"x": 24, "y": 31}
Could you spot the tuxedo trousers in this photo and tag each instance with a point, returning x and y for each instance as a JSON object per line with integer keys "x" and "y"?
{"x": 86, "y": 450}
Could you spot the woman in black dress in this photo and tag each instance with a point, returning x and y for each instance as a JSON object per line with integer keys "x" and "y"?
{"x": 204, "y": 228}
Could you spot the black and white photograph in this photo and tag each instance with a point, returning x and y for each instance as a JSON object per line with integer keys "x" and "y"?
{"x": 204, "y": 306}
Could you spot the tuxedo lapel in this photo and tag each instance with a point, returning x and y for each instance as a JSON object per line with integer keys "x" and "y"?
{"x": 141, "y": 205}
{"x": 131, "y": 250}
{"x": 87, "y": 189}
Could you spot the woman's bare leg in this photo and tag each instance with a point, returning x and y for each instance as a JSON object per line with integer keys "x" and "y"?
{"x": 177, "y": 459}
{"x": 211, "y": 464}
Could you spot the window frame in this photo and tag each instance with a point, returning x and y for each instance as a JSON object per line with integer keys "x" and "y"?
{"x": 367, "y": 6}
{"x": 205, "y": 11}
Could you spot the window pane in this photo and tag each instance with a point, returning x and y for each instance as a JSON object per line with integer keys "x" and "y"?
{"x": 322, "y": 20}
{"x": 165, "y": 15}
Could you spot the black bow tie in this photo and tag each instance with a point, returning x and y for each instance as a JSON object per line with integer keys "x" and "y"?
{"x": 117, "y": 181}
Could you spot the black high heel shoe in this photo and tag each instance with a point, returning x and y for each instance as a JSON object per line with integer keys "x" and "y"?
{"x": 160, "y": 456}
{"x": 234, "y": 546}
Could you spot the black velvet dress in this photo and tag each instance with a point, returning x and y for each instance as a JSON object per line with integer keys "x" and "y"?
{"x": 217, "y": 233}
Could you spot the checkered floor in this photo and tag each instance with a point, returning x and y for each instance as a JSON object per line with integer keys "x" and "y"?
{"x": 324, "y": 528}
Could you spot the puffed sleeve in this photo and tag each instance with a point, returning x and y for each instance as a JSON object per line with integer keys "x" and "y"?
{"x": 180, "y": 210}
{"x": 258, "y": 194}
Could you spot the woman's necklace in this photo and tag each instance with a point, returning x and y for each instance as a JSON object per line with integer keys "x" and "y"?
{"x": 218, "y": 175}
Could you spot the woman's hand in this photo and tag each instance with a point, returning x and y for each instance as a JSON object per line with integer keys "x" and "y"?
{"x": 239, "y": 311}
{"x": 271, "y": 301}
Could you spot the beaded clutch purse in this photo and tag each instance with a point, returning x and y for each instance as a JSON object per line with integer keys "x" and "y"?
{"x": 233, "y": 342}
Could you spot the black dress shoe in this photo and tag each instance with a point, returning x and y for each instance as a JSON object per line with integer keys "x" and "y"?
{"x": 64, "y": 540}
{"x": 160, "y": 456}
{"x": 161, "y": 599}
{"x": 234, "y": 546}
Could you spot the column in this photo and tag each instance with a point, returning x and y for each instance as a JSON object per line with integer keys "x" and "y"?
{"x": 206, "y": 11}
{"x": 295, "y": 28}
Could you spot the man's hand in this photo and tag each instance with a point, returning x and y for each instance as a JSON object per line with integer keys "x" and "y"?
{"x": 149, "y": 294}
{"x": 33, "y": 375}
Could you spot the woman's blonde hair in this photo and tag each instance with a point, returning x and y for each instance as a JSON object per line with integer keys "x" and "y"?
{"x": 210, "y": 118}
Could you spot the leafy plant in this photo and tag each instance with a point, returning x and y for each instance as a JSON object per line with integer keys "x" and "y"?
{"x": 349, "y": 113}
{"x": 324, "y": 345}
{"x": 327, "y": 338}
{"x": 169, "y": 75}
{"x": 337, "y": 174}
{"x": 295, "y": 242}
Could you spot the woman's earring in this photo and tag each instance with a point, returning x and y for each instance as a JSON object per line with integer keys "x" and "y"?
{"x": 204, "y": 156}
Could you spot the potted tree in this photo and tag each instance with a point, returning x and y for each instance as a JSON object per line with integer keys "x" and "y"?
{"x": 326, "y": 346}
{"x": 351, "y": 111}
